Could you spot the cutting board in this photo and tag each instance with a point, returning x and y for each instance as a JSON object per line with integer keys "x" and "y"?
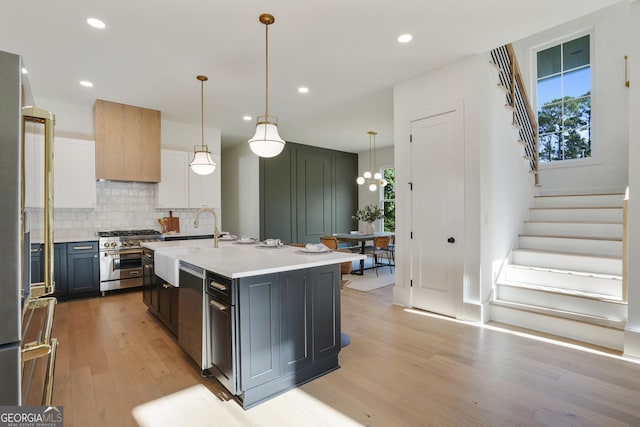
{"x": 173, "y": 223}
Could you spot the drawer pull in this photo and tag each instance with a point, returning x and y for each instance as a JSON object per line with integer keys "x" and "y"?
{"x": 35, "y": 250}
{"x": 82, "y": 248}
{"x": 166, "y": 286}
{"x": 218, "y": 286}
{"x": 217, "y": 305}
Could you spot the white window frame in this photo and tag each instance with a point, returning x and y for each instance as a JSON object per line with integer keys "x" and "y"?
{"x": 588, "y": 161}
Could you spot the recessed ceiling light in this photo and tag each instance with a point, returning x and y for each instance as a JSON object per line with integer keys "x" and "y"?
{"x": 86, "y": 83}
{"x": 405, "y": 38}
{"x": 96, "y": 23}
{"x": 303, "y": 89}
{"x": 24, "y": 71}
{"x": 246, "y": 118}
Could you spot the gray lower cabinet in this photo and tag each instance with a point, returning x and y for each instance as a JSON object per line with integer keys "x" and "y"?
{"x": 160, "y": 297}
{"x": 83, "y": 270}
{"x": 59, "y": 267}
{"x": 289, "y": 330}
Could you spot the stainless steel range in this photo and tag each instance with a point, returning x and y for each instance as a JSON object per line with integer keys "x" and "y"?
{"x": 121, "y": 257}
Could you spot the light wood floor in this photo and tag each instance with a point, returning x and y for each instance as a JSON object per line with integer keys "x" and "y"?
{"x": 401, "y": 369}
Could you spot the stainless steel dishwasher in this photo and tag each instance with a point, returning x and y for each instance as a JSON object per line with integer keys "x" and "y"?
{"x": 192, "y": 329}
{"x": 223, "y": 357}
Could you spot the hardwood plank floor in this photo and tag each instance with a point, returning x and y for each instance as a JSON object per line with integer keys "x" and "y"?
{"x": 402, "y": 368}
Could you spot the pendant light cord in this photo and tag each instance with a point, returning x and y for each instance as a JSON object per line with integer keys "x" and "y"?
{"x": 202, "y": 109}
{"x": 266, "y": 97}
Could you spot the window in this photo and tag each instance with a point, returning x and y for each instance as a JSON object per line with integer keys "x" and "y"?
{"x": 389, "y": 200}
{"x": 564, "y": 100}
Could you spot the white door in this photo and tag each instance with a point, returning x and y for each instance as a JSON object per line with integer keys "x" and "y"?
{"x": 437, "y": 175}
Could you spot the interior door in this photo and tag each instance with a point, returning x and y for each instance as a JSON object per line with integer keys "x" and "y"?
{"x": 437, "y": 175}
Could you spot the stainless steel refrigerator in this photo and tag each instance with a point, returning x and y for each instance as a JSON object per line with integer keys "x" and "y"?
{"x": 17, "y": 294}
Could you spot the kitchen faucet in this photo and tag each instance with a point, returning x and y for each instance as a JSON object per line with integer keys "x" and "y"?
{"x": 216, "y": 233}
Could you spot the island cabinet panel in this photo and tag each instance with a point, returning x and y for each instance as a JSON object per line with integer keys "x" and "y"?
{"x": 296, "y": 324}
{"x": 149, "y": 281}
{"x": 326, "y": 311}
{"x": 259, "y": 330}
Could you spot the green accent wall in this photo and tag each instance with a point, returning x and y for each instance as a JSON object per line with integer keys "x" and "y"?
{"x": 307, "y": 192}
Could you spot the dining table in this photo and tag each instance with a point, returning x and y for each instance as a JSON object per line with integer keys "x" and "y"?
{"x": 361, "y": 239}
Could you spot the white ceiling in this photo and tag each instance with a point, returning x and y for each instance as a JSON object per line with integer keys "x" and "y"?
{"x": 344, "y": 51}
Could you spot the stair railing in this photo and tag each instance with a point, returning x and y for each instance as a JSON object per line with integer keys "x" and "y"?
{"x": 523, "y": 117}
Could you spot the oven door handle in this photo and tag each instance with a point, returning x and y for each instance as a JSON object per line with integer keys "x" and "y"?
{"x": 128, "y": 252}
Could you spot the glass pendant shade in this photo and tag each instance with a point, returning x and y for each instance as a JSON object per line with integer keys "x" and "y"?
{"x": 373, "y": 187}
{"x": 202, "y": 163}
{"x": 367, "y": 175}
{"x": 377, "y": 175}
{"x": 360, "y": 180}
{"x": 266, "y": 142}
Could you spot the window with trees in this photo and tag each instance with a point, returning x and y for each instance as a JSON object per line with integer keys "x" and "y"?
{"x": 564, "y": 100}
{"x": 389, "y": 200}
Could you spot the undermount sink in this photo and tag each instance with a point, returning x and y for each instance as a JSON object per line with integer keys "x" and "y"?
{"x": 167, "y": 262}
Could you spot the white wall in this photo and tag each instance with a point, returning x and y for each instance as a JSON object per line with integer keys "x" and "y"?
{"x": 632, "y": 332}
{"x": 507, "y": 187}
{"x": 498, "y": 187}
{"x": 241, "y": 191}
{"x": 459, "y": 81}
{"x": 606, "y": 171}
{"x": 384, "y": 159}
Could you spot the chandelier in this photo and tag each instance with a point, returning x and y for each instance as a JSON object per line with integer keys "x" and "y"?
{"x": 372, "y": 179}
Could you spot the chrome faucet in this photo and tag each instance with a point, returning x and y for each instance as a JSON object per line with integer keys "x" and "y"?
{"x": 216, "y": 233}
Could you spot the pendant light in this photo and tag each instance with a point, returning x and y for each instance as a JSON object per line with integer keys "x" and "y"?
{"x": 266, "y": 142}
{"x": 367, "y": 177}
{"x": 202, "y": 163}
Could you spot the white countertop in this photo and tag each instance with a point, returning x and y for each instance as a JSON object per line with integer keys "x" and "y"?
{"x": 235, "y": 260}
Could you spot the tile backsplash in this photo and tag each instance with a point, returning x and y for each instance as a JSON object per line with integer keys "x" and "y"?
{"x": 119, "y": 206}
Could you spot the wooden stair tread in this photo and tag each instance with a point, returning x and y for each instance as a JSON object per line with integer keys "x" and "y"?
{"x": 580, "y": 195}
{"x": 563, "y": 291}
{"x": 542, "y": 251}
{"x": 568, "y": 272}
{"x": 569, "y": 315}
{"x": 551, "y": 236}
{"x": 573, "y": 222}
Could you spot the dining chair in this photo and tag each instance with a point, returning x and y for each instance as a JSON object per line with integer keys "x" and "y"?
{"x": 329, "y": 241}
{"x": 345, "y": 268}
{"x": 391, "y": 250}
{"x": 380, "y": 250}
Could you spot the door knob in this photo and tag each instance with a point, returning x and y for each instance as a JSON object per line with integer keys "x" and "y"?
{"x": 451, "y": 240}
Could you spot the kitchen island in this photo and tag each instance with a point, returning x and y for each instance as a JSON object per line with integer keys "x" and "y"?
{"x": 262, "y": 320}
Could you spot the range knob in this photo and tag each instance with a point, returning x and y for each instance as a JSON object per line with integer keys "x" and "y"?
{"x": 106, "y": 244}
{"x": 113, "y": 244}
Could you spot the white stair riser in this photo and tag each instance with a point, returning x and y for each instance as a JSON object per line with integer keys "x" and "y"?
{"x": 567, "y": 262}
{"x": 577, "y": 215}
{"x": 585, "y": 332}
{"x": 611, "y": 248}
{"x": 591, "y": 307}
{"x": 574, "y": 229}
{"x": 609, "y": 200}
{"x": 592, "y": 284}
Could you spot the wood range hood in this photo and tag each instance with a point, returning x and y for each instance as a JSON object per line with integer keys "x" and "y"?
{"x": 127, "y": 142}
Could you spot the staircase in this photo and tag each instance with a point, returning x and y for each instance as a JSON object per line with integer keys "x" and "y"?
{"x": 565, "y": 277}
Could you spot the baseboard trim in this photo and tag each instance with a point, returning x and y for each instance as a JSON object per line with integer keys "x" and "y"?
{"x": 632, "y": 343}
{"x": 402, "y": 296}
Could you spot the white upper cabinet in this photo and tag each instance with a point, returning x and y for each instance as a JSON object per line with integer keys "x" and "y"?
{"x": 204, "y": 190}
{"x": 74, "y": 172}
{"x": 181, "y": 188}
{"x": 173, "y": 189}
